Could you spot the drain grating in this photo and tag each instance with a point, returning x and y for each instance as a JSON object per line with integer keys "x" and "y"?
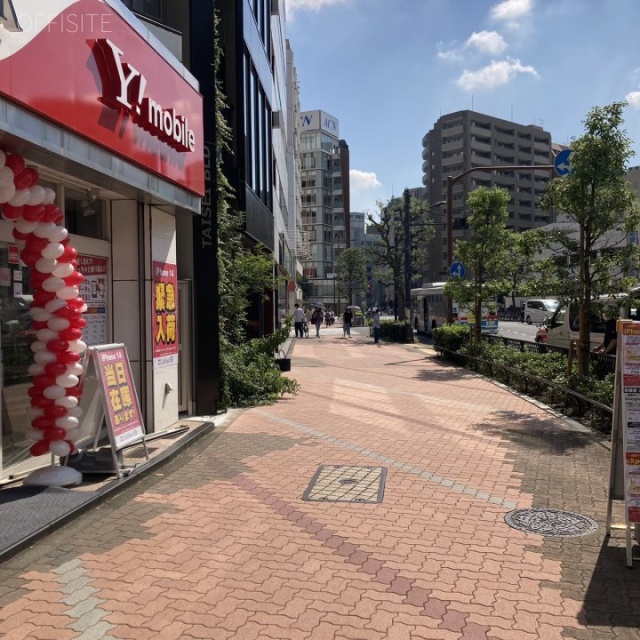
{"x": 343, "y": 483}
{"x": 551, "y": 522}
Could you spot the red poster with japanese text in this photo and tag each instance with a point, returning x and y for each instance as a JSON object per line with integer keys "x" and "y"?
{"x": 121, "y": 401}
{"x": 165, "y": 314}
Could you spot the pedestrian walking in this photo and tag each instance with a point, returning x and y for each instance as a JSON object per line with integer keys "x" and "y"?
{"x": 377, "y": 325}
{"x": 298, "y": 320}
{"x": 316, "y": 319}
{"x": 347, "y": 319}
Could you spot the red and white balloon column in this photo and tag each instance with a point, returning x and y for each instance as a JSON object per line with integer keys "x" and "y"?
{"x": 56, "y": 313}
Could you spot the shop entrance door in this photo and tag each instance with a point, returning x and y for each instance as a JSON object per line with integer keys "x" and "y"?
{"x": 185, "y": 347}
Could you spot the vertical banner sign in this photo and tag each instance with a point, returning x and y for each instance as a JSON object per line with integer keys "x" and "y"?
{"x": 94, "y": 292}
{"x": 122, "y": 409}
{"x": 165, "y": 321}
{"x": 630, "y": 418}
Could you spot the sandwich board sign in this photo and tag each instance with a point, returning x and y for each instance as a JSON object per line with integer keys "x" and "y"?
{"x": 624, "y": 478}
{"x": 109, "y": 396}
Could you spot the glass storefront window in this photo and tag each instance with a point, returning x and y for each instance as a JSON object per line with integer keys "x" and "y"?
{"x": 84, "y": 214}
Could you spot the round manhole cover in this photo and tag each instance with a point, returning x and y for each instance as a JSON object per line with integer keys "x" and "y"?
{"x": 551, "y": 522}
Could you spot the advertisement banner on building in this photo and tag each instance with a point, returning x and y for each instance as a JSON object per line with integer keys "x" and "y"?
{"x": 164, "y": 317}
{"x": 94, "y": 292}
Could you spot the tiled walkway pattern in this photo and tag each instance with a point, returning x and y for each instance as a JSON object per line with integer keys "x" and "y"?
{"x": 221, "y": 545}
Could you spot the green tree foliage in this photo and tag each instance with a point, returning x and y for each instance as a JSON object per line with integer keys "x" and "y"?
{"x": 388, "y": 253}
{"x": 521, "y": 269}
{"x": 249, "y": 374}
{"x": 351, "y": 273}
{"x": 597, "y": 198}
{"x": 484, "y": 254}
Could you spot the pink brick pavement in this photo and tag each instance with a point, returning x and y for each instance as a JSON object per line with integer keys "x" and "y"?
{"x": 221, "y": 545}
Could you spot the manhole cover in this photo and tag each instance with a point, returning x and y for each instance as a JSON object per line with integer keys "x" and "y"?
{"x": 551, "y": 522}
{"x": 340, "y": 483}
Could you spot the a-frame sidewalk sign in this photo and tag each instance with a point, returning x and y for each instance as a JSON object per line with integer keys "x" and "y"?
{"x": 624, "y": 477}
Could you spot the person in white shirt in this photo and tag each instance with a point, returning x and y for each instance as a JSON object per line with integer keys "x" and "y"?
{"x": 298, "y": 320}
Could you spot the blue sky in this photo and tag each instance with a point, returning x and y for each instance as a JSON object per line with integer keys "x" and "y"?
{"x": 388, "y": 69}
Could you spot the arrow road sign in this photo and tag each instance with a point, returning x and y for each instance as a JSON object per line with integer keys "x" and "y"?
{"x": 562, "y": 162}
{"x": 457, "y": 270}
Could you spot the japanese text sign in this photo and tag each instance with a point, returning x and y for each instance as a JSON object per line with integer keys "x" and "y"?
{"x": 164, "y": 317}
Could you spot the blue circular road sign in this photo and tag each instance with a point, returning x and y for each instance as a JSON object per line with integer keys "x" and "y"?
{"x": 457, "y": 270}
{"x": 562, "y": 162}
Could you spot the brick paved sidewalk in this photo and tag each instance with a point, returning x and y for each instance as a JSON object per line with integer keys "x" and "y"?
{"x": 220, "y": 544}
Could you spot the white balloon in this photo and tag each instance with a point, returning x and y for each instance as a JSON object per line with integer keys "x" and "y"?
{"x": 72, "y": 434}
{"x": 76, "y": 368}
{"x": 6, "y": 176}
{"x": 54, "y": 391}
{"x": 37, "y": 346}
{"x": 49, "y": 196}
{"x": 54, "y": 305}
{"x": 77, "y": 346}
{"x": 67, "y": 422}
{"x": 68, "y": 402}
{"x": 53, "y": 284}
{"x": 59, "y": 448}
{"x": 34, "y": 412}
{"x": 3, "y": 158}
{"x": 44, "y": 335}
{"x": 68, "y": 293}
{"x": 75, "y": 412}
{"x": 53, "y": 250}
{"x": 83, "y": 308}
{"x": 36, "y": 369}
{"x": 34, "y": 434}
{"x": 63, "y": 270}
{"x": 43, "y": 357}
{"x": 7, "y": 191}
{"x": 37, "y": 195}
{"x": 46, "y": 265}
{"x": 39, "y": 314}
{"x": 20, "y": 198}
{"x": 58, "y": 324}
{"x": 57, "y": 235}
{"x": 44, "y": 229}
{"x": 67, "y": 380}
{"x": 25, "y": 226}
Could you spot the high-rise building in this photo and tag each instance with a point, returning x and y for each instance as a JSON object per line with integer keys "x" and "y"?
{"x": 324, "y": 195}
{"x": 465, "y": 140}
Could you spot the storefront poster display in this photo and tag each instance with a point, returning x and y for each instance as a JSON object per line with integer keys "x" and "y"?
{"x": 164, "y": 317}
{"x": 94, "y": 292}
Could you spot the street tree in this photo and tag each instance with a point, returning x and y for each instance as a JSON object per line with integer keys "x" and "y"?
{"x": 521, "y": 267}
{"x": 484, "y": 254}
{"x": 388, "y": 252}
{"x": 598, "y": 201}
{"x": 351, "y": 273}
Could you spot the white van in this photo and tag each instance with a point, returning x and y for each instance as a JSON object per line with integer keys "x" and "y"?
{"x": 537, "y": 309}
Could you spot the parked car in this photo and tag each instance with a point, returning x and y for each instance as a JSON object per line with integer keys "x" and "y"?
{"x": 537, "y": 309}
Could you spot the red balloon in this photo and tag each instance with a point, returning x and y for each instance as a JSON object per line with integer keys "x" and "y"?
{"x": 42, "y": 423}
{"x": 54, "y": 433}
{"x": 41, "y": 297}
{"x": 18, "y": 235}
{"x": 36, "y": 278}
{"x": 26, "y": 178}
{"x": 33, "y": 213}
{"x": 55, "y": 368}
{"x": 35, "y": 244}
{"x": 11, "y": 212}
{"x": 36, "y": 325}
{"x": 43, "y": 381}
{"x": 68, "y": 313}
{"x": 15, "y": 163}
{"x": 57, "y": 346}
{"x": 30, "y": 257}
{"x": 69, "y": 254}
{"x": 34, "y": 392}
{"x": 41, "y": 402}
{"x": 50, "y": 212}
{"x": 68, "y": 357}
{"x": 74, "y": 279}
{"x": 78, "y": 323}
{"x": 75, "y": 303}
{"x": 39, "y": 448}
{"x": 75, "y": 391}
{"x": 59, "y": 217}
{"x": 55, "y": 410}
{"x": 72, "y": 447}
{"x": 70, "y": 334}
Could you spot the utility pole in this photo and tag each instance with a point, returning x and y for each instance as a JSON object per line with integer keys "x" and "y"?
{"x": 407, "y": 267}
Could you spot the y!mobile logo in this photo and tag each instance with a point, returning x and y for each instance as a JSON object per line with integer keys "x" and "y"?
{"x": 125, "y": 90}
{"x": 8, "y": 17}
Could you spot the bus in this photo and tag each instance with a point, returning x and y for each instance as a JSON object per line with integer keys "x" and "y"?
{"x": 429, "y": 310}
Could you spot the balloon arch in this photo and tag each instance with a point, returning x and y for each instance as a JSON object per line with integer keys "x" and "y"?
{"x": 56, "y": 310}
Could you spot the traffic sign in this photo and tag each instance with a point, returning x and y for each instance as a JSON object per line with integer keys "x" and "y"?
{"x": 457, "y": 270}
{"x": 562, "y": 162}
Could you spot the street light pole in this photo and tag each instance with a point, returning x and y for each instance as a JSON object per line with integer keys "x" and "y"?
{"x": 407, "y": 258}
{"x": 451, "y": 180}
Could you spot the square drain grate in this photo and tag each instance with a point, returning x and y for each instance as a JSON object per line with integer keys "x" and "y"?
{"x": 343, "y": 483}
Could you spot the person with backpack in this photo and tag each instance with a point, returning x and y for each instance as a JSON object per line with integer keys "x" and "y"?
{"x": 316, "y": 318}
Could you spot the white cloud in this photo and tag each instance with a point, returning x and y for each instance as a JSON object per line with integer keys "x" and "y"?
{"x": 452, "y": 55}
{"x": 511, "y": 10}
{"x": 633, "y": 99}
{"x": 487, "y": 42}
{"x": 310, "y": 5}
{"x": 493, "y": 75}
{"x": 363, "y": 180}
